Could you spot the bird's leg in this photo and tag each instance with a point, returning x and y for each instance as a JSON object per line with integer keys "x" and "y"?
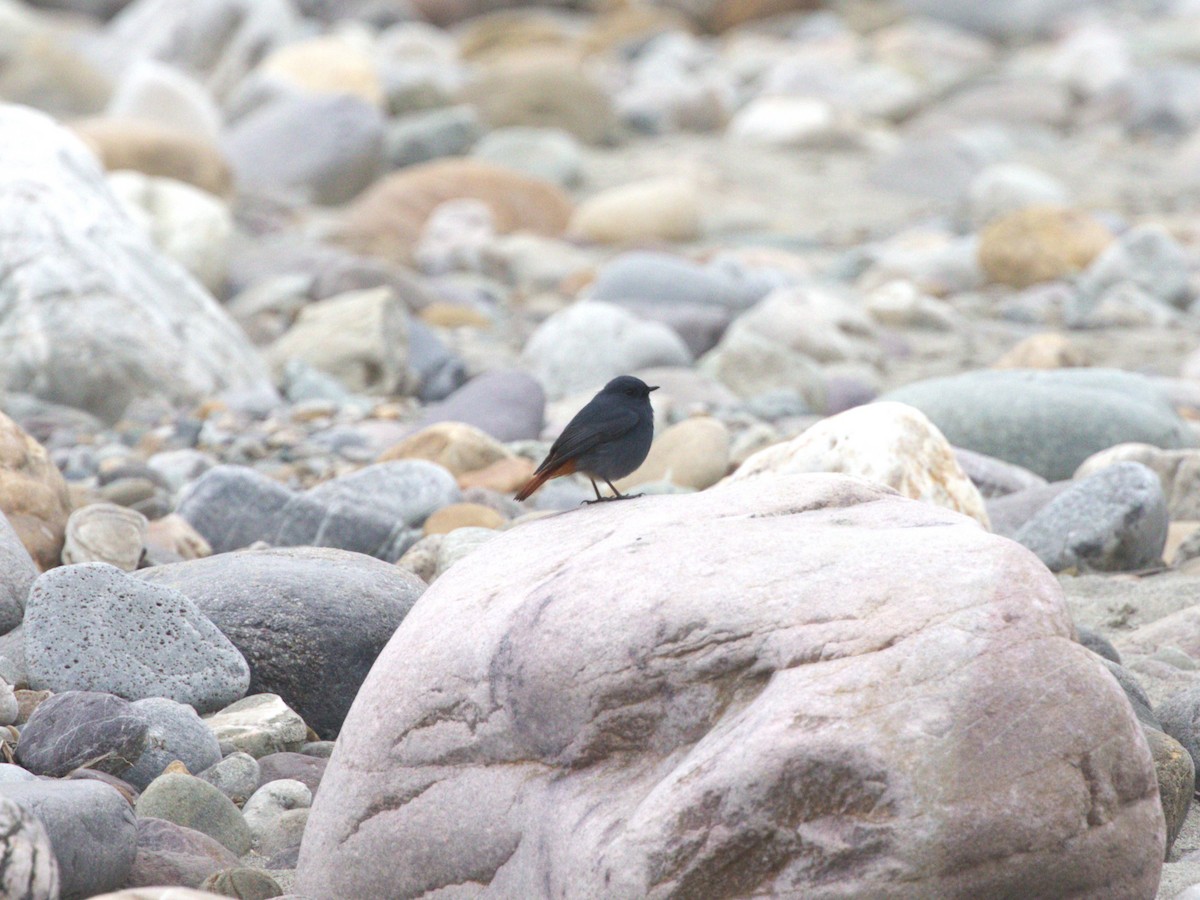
{"x": 617, "y": 495}
{"x": 598, "y": 499}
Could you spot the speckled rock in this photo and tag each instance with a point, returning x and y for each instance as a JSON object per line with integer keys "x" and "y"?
{"x": 78, "y": 636}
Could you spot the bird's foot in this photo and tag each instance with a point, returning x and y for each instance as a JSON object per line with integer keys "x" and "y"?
{"x": 609, "y": 499}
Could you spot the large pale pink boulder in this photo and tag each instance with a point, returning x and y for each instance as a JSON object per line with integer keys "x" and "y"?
{"x": 794, "y": 686}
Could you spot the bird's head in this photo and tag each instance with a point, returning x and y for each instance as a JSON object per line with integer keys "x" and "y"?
{"x": 628, "y": 386}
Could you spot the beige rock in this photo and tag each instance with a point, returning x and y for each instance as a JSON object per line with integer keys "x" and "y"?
{"x": 422, "y": 557}
{"x": 174, "y": 536}
{"x": 159, "y": 151}
{"x": 543, "y": 94}
{"x": 105, "y": 532}
{"x": 1048, "y": 350}
{"x": 456, "y": 446}
{"x": 652, "y": 698}
{"x": 327, "y": 65}
{"x": 33, "y": 494}
{"x": 1040, "y": 243}
{"x": 1177, "y": 534}
{"x": 386, "y": 221}
{"x": 360, "y": 338}
{"x": 1178, "y": 470}
{"x": 503, "y": 476}
{"x": 693, "y": 453}
{"x": 888, "y": 443}
{"x": 658, "y": 209}
{"x": 463, "y": 515}
{"x": 513, "y": 35}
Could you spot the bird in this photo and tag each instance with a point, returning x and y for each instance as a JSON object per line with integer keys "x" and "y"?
{"x": 607, "y": 439}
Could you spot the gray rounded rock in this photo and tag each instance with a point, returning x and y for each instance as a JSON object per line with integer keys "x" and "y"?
{"x": 194, "y": 803}
{"x": 91, "y": 827}
{"x": 324, "y": 147}
{"x": 175, "y": 732}
{"x": 233, "y": 507}
{"x": 508, "y": 405}
{"x": 1098, "y": 643}
{"x": 301, "y": 767}
{"x": 91, "y": 627}
{"x": 28, "y": 868}
{"x": 309, "y": 621}
{"x": 1113, "y": 521}
{"x": 1047, "y": 421}
{"x": 548, "y": 153}
{"x": 237, "y": 776}
{"x": 82, "y": 727}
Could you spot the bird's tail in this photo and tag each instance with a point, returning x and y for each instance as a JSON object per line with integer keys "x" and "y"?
{"x": 542, "y": 476}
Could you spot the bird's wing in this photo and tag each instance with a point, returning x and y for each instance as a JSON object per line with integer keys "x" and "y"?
{"x": 590, "y": 428}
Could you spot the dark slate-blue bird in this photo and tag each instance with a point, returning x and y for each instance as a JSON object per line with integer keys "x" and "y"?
{"x": 607, "y": 439}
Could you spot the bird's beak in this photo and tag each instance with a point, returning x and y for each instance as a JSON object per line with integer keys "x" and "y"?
{"x": 655, "y": 388}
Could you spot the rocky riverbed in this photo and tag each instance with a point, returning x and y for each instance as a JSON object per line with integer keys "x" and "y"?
{"x": 295, "y": 294}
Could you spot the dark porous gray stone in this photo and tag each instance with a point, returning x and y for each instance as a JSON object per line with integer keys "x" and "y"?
{"x": 508, "y": 405}
{"x": 1098, "y": 643}
{"x": 172, "y": 854}
{"x": 1135, "y": 693}
{"x": 995, "y": 477}
{"x": 309, "y": 621}
{"x": 17, "y": 573}
{"x": 1047, "y": 421}
{"x": 194, "y": 803}
{"x": 77, "y": 728}
{"x": 1011, "y": 511}
{"x": 1113, "y": 521}
{"x": 92, "y": 830}
{"x": 28, "y": 869}
{"x": 439, "y": 371}
{"x": 92, "y": 627}
{"x": 175, "y": 732}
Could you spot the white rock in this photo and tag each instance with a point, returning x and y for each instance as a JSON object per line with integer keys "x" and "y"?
{"x": 191, "y": 226}
{"x": 1006, "y": 187}
{"x": 259, "y": 725}
{"x": 160, "y": 93}
{"x": 584, "y": 345}
{"x": 888, "y": 443}
{"x": 785, "y": 122}
{"x": 96, "y": 316}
